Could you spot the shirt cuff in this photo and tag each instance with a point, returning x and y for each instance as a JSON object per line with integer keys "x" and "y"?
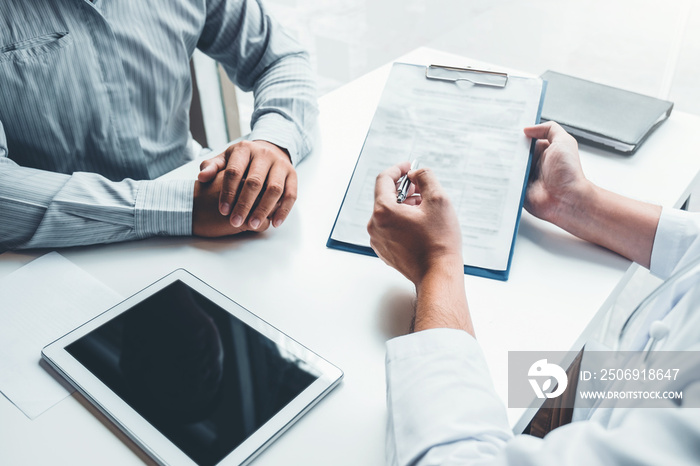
{"x": 164, "y": 208}
{"x": 273, "y": 127}
{"x": 437, "y": 340}
{"x": 676, "y": 231}
{"x": 439, "y": 394}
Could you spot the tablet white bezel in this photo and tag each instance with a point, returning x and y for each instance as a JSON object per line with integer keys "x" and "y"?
{"x": 140, "y": 430}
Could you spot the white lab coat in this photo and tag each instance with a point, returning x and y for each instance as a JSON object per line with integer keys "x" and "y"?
{"x": 443, "y": 409}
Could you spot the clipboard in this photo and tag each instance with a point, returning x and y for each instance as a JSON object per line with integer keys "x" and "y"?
{"x": 466, "y": 125}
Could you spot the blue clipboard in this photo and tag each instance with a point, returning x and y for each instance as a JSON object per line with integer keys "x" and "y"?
{"x": 499, "y": 81}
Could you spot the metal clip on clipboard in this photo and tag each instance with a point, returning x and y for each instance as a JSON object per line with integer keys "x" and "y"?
{"x": 472, "y": 75}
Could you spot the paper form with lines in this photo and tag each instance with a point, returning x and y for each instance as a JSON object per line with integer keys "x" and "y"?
{"x": 472, "y": 137}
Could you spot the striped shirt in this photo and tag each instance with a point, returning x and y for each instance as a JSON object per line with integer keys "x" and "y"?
{"x": 94, "y": 105}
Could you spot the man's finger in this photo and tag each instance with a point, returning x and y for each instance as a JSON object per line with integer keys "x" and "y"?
{"x": 263, "y": 226}
{"x": 253, "y": 185}
{"x": 540, "y": 146}
{"x": 288, "y": 200}
{"x": 426, "y": 183}
{"x": 550, "y": 131}
{"x": 274, "y": 189}
{"x": 413, "y": 201}
{"x": 540, "y": 131}
{"x": 385, "y": 187}
{"x": 210, "y": 167}
{"x": 236, "y": 167}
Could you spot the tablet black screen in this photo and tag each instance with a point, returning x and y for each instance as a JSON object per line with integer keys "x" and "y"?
{"x": 198, "y": 374}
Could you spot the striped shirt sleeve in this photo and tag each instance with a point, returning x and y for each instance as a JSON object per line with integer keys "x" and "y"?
{"x": 259, "y": 55}
{"x": 72, "y": 195}
{"x": 39, "y": 208}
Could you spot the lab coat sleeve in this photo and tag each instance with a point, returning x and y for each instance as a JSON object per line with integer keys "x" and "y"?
{"x": 441, "y": 401}
{"x": 677, "y": 240}
{"x": 443, "y": 410}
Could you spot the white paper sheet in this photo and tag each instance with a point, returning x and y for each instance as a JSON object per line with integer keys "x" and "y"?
{"x": 39, "y": 303}
{"x": 470, "y": 136}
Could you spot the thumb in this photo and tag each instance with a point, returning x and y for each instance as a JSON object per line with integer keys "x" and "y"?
{"x": 551, "y": 131}
{"x": 426, "y": 183}
{"x": 210, "y": 167}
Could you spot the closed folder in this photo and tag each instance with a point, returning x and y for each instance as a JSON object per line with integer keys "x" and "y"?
{"x": 601, "y": 115}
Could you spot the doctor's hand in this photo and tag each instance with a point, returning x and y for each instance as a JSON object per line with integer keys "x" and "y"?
{"x": 559, "y": 193}
{"x": 420, "y": 236}
{"x": 557, "y": 188}
{"x": 259, "y": 183}
{"x": 206, "y": 219}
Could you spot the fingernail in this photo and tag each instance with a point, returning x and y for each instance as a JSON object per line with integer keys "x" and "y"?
{"x": 237, "y": 221}
{"x": 277, "y": 223}
{"x": 255, "y": 223}
{"x": 225, "y": 209}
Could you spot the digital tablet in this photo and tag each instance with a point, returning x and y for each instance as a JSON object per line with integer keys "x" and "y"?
{"x": 191, "y": 376}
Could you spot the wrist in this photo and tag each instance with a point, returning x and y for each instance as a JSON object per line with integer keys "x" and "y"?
{"x": 441, "y": 300}
{"x": 274, "y": 147}
{"x": 441, "y": 269}
{"x": 577, "y": 207}
{"x": 274, "y": 128}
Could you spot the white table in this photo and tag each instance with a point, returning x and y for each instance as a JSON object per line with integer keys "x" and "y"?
{"x": 345, "y": 306}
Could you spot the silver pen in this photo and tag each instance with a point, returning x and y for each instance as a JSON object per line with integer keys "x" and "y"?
{"x": 404, "y": 184}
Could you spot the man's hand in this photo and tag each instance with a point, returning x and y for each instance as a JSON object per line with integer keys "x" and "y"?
{"x": 557, "y": 185}
{"x": 559, "y": 192}
{"x": 419, "y": 235}
{"x": 421, "y": 239}
{"x": 206, "y": 218}
{"x": 259, "y": 183}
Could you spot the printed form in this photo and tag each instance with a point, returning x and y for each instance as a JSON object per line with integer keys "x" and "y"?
{"x": 470, "y": 135}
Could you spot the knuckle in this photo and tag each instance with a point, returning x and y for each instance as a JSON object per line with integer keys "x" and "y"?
{"x": 282, "y": 212}
{"x": 380, "y": 223}
{"x": 227, "y": 194}
{"x": 379, "y": 210}
{"x": 371, "y": 227}
{"x": 423, "y": 172}
{"x": 439, "y": 198}
{"x": 260, "y": 212}
{"x": 231, "y": 173}
{"x": 275, "y": 189}
{"x": 243, "y": 206}
{"x": 254, "y": 182}
{"x": 381, "y": 214}
{"x": 290, "y": 196}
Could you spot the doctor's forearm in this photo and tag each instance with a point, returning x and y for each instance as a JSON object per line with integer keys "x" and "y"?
{"x": 618, "y": 223}
{"x": 441, "y": 299}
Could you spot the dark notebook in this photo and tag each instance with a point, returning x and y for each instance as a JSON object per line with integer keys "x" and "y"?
{"x": 602, "y": 115}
